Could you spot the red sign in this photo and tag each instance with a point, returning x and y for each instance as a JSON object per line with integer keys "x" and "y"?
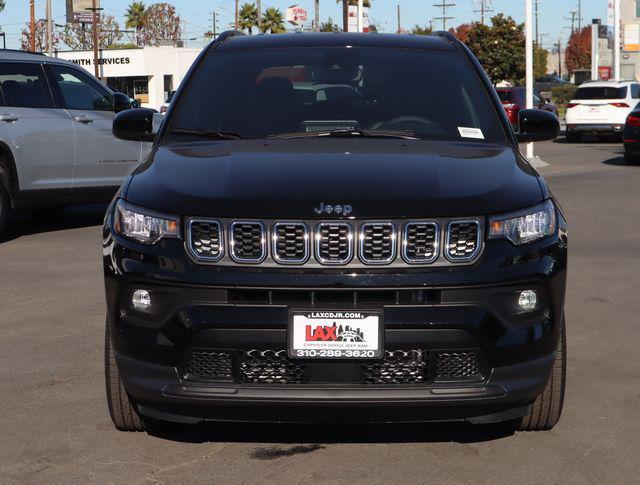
{"x": 604, "y": 73}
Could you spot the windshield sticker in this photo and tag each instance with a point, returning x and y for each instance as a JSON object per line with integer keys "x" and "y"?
{"x": 470, "y": 132}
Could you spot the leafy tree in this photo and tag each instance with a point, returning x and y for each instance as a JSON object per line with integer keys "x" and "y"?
{"x": 461, "y": 32}
{"x": 578, "y": 52}
{"x": 135, "y": 18}
{"x": 540, "y": 58}
{"x": 161, "y": 23}
{"x": 123, "y": 45}
{"x": 329, "y": 26}
{"x": 1, "y": 5}
{"x": 273, "y": 21}
{"x": 41, "y": 37}
{"x": 79, "y": 38}
{"x": 419, "y": 30}
{"x": 499, "y": 48}
{"x": 248, "y": 17}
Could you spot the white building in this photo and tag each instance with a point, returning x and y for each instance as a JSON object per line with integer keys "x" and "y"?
{"x": 147, "y": 74}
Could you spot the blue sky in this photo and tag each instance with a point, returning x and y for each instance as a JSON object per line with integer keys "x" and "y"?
{"x": 197, "y": 14}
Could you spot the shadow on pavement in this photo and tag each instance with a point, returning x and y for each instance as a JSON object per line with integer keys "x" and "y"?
{"x": 590, "y": 140}
{"x": 25, "y": 223}
{"x": 619, "y": 161}
{"x": 312, "y": 434}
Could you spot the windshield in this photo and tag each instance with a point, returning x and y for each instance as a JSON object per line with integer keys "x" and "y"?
{"x": 269, "y": 92}
{"x": 601, "y": 93}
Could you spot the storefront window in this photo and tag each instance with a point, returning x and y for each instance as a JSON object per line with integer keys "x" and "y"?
{"x": 136, "y": 87}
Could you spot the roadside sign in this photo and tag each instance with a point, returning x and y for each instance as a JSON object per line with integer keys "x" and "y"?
{"x": 77, "y": 11}
{"x": 296, "y": 15}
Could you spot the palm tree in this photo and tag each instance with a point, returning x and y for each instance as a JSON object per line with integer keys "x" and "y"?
{"x": 248, "y": 17}
{"x": 135, "y": 18}
{"x": 273, "y": 21}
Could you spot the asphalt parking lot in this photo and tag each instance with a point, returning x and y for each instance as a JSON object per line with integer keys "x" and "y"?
{"x": 55, "y": 426}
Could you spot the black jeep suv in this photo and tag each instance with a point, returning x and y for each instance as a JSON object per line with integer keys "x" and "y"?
{"x": 335, "y": 227}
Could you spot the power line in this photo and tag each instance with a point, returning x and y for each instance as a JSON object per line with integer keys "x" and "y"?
{"x": 444, "y": 6}
{"x": 485, "y": 8}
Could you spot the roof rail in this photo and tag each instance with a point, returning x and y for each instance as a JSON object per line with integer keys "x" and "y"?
{"x": 225, "y": 36}
{"x": 447, "y": 35}
{"x": 609, "y": 81}
{"x": 20, "y": 51}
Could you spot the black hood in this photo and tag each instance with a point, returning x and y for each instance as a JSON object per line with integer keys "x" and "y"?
{"x": 286, "y": 179}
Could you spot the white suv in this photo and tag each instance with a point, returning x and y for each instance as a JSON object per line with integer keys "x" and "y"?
{"x": 601, "y": 107}
{"x": 56, "y": 142}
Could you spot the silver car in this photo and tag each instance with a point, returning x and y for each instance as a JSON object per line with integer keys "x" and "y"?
{"x": 56, "y": 141}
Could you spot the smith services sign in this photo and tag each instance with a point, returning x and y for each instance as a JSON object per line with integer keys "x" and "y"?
{"x": 103, "y": 62}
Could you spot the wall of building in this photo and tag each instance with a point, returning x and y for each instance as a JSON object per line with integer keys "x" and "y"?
{"x": 152, "y": 62}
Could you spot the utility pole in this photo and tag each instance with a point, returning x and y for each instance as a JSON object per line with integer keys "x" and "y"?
{"x": 528, "y": 27}
{"x": 236, "y": 17}
{"x": 96, "y": 26}
{"x": 399, "y": 27}
{"x": 573, "y": 21}
{"x": 316, "y": 15}
{"x": 32, "y": 25}
{"x": 485, "y": 8}
{"x": 595, "y": 61}
{"x": 579, "y": 15}
{"x": 49, "y": 29}
{"x": 535, "y": 3}
{"x": 444, "y": 6}
{"x": 616, "y": 39}
{"x": 259, "y": 12}
{"x": 559, "y": 47}
{"x": 214, "y": 26}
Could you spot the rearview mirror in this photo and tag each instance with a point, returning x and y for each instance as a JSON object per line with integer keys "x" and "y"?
{"x": 537, "y": 125}
{"x": 120, "y": 102}
{"x": 134, "y": 125}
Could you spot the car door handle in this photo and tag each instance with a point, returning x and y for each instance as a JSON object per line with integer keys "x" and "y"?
{"x": 83, "y": 119}
{"x": 9, "y": 117}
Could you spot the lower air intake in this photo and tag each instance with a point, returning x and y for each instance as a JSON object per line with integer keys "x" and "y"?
{"x": 457, "y": 366}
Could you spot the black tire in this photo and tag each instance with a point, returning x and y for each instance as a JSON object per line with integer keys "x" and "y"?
{"x": 547, "y": 408}
{"x": 123, "y": 412}
{"x": 631, "y": 159}
{"x": 574, "y": 137}
{"x": 5, "y": 208}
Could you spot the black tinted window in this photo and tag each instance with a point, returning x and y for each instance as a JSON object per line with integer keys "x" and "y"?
{"x": 601, "y": 93}
{"x": 274, "y": 91}
{"x": 24, "y": 85}
{"x": 79, "y": 91}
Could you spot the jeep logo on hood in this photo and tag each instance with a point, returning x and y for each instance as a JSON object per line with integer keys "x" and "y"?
{"x": 337, "y": 209}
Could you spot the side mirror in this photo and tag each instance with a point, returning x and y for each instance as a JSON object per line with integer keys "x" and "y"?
{"x": 120, "y": 102}
{"x": 537, "y": 125}
{"x": 134, "y": 125}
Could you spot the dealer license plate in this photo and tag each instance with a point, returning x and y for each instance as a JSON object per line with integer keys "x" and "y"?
{"x": 335, "y": 334}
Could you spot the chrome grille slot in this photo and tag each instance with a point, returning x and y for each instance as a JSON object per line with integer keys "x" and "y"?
{"x": 421, "y": 242}
{"x": 205, "y": 240}
{"x": 247, "y": 239}
{"x": 290, "y": 242}
{"x": 463, "y": 240}
{"x": 334, "y": 242}
{"x": 377, "y": 242}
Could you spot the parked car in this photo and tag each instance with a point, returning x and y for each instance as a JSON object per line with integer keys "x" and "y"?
{"x": 631, "y": 137}
{"x": 514, "y": 99}
{"x": 165, "y": 105}
{"x": 547, "y": 83}
{"x": 56, "y": 141}
{"x": 385, "y": 255}
{"x": 601, "y": 108}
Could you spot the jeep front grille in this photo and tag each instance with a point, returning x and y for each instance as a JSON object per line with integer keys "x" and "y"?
{"x": 205, "y": 239}
{"x": 290, "y": 242}
{"x": 357, "y": 244}
{"x": 377, "y": 242}
{"x": 421, "y": 242}
{"x": 463, "y": 240}
{"x": 248, "y": 242}
{"x": 334, "y": 243}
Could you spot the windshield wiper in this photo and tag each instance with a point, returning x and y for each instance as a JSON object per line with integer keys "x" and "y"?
{"x": 216, "y": 135}
{"x": 356, "y": 133}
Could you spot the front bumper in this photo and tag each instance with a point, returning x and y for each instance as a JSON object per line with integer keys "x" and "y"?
{"x": 437, "y": 311}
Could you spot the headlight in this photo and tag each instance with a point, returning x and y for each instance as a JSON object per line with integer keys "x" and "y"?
{"x": 525, "y": 226}
{"x": 144, "y": 226}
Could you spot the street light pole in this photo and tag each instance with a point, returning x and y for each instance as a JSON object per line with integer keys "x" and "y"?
{"x": 529, "y": 61}
{"x": 595, "y": 28}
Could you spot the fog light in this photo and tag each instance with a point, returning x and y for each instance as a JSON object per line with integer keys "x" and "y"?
{"x": 141, "y": 300}
{"x": 528, "y": 300}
